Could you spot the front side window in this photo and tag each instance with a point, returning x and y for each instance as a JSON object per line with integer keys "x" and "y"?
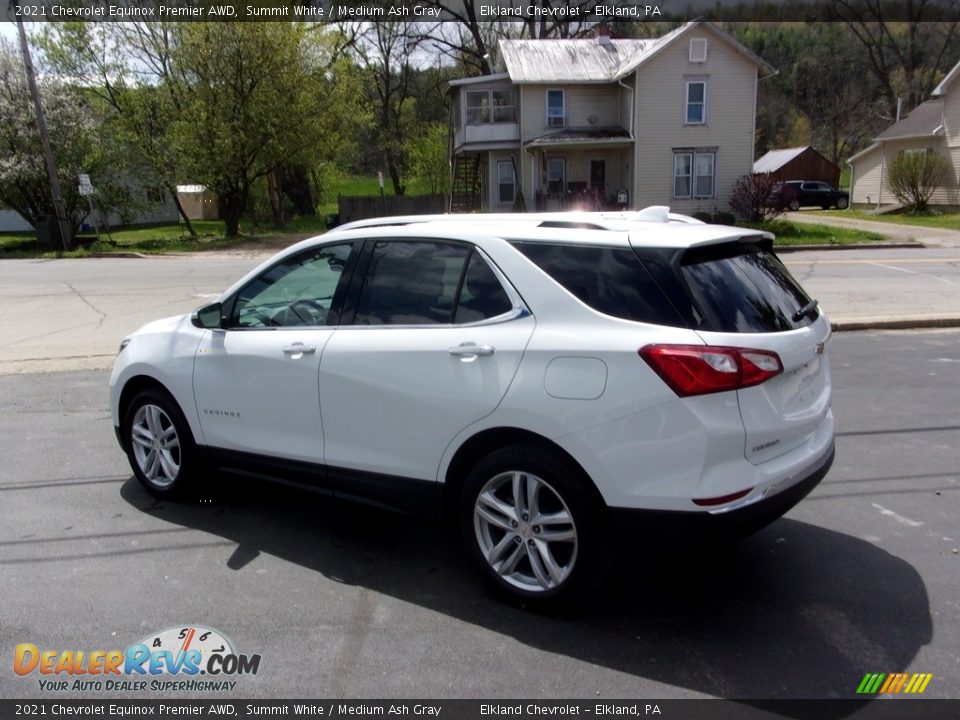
{"x": 555, "y": 109}
{"x": 296, "y": 292}
{"x": 505, "y": 181}
{"x": 695, "y": 112}
{"x": 478, "y": 107}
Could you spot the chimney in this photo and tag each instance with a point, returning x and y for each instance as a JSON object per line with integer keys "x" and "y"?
{"x": 603, "y": 34}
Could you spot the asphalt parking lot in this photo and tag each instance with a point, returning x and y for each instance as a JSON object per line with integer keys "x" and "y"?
{"x": 348, "y": 601}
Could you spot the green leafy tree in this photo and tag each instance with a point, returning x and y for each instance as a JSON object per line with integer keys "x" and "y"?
{"x": 914, "y": 177}
{"x": 127, "y": 70}
{"x": 428, "y": 158}
{"x": 247, "y": 108}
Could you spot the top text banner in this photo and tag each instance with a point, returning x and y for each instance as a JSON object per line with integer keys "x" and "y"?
{"x": 573, "y": 11}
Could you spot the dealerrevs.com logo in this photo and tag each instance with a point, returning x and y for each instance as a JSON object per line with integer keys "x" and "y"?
{"x": 191, "y": 658}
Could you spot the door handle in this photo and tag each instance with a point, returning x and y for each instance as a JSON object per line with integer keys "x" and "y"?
{"x": 298, "y": 349}
{"x": 471, "y": 351}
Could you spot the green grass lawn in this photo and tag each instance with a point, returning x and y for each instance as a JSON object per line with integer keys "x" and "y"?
{"x": 210, "y": 233}
{"x": 788, "y": 233}
{"x": 948, "y": 221}
{"x": 166, "y": 238}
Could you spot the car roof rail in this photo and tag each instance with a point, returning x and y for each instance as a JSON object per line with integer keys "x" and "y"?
{"x": 574, "y": 219}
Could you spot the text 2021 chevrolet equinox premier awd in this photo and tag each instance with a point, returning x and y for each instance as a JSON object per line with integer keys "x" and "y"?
{"x": 556, "y": 382}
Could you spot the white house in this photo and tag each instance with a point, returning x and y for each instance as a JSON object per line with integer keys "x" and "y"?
{"x": 933, "y": 126}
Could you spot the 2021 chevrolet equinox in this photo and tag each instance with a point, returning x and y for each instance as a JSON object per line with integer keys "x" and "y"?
{"x": 556, "y": 383}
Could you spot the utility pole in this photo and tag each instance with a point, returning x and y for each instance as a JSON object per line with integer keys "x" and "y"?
{"x": 58, "y": 206}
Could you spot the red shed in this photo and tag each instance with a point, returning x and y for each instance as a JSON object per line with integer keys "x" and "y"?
{"x": 799, "y": 163}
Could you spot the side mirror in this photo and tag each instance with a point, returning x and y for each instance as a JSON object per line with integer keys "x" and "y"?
{"x": 207, "y": 317}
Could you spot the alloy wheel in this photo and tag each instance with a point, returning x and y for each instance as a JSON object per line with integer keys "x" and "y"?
{"x": 526, "y": 532}
{"x": 156, "y": 445}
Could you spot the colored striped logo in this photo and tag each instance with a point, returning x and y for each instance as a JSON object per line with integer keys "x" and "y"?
{"x": 880, "y": 683}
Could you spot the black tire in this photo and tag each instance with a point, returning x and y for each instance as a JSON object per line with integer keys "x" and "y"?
{"x": 176, "y": 467}
{"x": 560, "y": 487}
{"x": 842, "y": 203}
{"x": 794, "y": 205}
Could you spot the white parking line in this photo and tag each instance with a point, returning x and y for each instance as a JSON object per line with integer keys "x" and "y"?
{"x": 912, "y": 272}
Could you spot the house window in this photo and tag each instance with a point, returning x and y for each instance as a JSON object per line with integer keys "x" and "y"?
{"x": 682, "y": 173}
{"x": 556, "y": 175}
{"x": 478, "y": 107}
{"x": 694, "y": 174}
{"x": 555, "y": 109}
{"x": 695, "y": 108}
{"x": 504, "y": 106}
{"x": 698, "y": 50}
{"x": 703, "y": 166}
{"x": 506, "y": 182}
{"x": 486, "y": 106}
{"x": 156, "y": 194}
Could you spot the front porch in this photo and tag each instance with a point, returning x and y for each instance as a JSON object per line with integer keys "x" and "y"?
{"x": 579, "y": 170}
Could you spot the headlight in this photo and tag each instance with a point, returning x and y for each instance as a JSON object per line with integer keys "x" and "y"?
{"x": 123, "y": 344}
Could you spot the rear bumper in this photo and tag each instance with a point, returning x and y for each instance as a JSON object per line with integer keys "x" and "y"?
{"x": 686, "y": 529}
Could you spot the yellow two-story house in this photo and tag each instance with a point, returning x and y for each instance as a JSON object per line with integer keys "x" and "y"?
{"x": 607, "y": 123}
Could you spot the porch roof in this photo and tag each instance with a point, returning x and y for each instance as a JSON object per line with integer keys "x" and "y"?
{"x": 574, "y": 137}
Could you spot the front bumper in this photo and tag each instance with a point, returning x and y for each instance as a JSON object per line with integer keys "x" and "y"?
{"x": 687, "y": 529}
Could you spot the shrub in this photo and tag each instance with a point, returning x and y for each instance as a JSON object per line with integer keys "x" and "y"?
{"x": 702, "y": 216}
{"x": 758, "y": 197}
{"x": 913, "y": 178}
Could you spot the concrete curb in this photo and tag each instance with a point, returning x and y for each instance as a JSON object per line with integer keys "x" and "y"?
{"x": 781, "y": 249}
{"x": 907, "y": 323}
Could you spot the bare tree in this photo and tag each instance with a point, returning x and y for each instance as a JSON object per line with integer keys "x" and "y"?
{"x": 908, "y": 52}
{"x": 386, "y": 52}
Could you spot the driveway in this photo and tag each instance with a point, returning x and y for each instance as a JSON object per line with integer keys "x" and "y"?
{"x": 934, "y": 237}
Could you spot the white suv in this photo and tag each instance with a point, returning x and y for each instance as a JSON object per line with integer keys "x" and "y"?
{"x": 559, "y": 384}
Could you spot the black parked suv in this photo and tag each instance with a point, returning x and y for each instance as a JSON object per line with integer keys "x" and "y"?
{"x": 801, "y": 193}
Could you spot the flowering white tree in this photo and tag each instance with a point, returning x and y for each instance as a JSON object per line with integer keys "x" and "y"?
{"x": 24, "y": 185}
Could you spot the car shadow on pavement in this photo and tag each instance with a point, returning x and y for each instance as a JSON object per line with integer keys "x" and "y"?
{"x": 796, "y": 611}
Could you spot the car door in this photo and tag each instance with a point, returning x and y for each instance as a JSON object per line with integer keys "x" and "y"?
{"x": 256, "y": 382}
{"x": 434, "y": 338}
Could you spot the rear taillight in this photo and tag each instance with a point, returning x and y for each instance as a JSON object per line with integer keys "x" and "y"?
{"x": 700, "y": 369}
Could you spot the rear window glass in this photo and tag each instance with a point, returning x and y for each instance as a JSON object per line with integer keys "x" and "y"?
{"x": 743, "y": 288}
{"x": 610, "y": 280}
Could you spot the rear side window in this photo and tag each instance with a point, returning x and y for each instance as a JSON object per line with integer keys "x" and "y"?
{"x": 743, "y": 288}
{"x": 610, "y": 280}
{"x": 421, "y": 282}
{"x": 411, "y": 283}
{"x": 481, "y": 295}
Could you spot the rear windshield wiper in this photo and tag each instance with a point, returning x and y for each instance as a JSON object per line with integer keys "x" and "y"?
{"x": 806, "y": 310}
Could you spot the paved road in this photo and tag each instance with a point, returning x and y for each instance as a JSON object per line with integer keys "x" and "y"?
{"x": 348, "y": 601}
{"x": 72, "y": 314}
